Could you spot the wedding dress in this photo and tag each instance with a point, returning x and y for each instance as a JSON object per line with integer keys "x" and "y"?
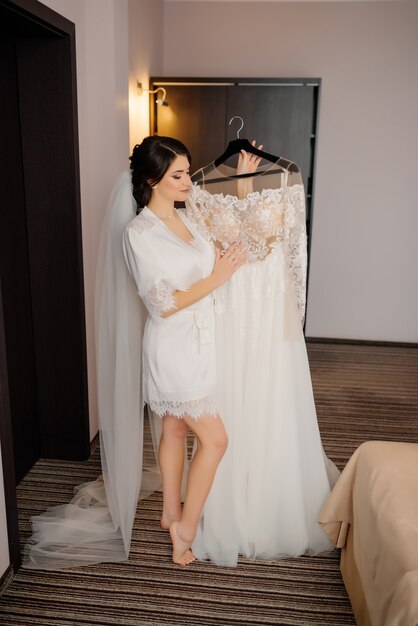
{"x": 275, "y": 476}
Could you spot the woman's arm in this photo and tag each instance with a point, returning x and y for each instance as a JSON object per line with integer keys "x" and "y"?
{"x": 225, "y": 266}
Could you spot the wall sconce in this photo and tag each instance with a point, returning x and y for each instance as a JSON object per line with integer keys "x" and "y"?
{"x": 160, "y": 101}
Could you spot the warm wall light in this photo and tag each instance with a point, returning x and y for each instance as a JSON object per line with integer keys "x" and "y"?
{"x": 160, "y": 101}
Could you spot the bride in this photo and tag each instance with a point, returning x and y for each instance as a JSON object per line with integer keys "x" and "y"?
{"x": 275, "y": 476}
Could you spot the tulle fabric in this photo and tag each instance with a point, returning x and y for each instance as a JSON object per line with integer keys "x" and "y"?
{"x": 274, "y": 477}
{"x": 96, "y": 525}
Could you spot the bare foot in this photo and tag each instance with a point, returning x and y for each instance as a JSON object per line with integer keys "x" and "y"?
{"x": 182, "y": 555}
{"x": 167, "y": 520}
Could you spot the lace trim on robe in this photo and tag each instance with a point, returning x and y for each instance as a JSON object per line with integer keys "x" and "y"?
{"x": 141, "y": 223}
{"x": 160, "y": 297}
{"x": 189, "y": 408}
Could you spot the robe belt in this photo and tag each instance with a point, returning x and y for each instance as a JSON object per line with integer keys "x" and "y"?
{"x": 201, "y": 334}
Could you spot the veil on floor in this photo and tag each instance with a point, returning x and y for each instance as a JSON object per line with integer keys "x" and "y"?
{"x": 96, "y": 526}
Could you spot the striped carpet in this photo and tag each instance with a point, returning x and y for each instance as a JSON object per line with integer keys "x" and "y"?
{"x": 362, "y": 392}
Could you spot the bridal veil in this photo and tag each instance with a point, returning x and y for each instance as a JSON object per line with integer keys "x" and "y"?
{"x": 96, "y": 526}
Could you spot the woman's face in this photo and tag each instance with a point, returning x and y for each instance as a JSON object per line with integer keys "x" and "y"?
{"x": 176, "y": 182}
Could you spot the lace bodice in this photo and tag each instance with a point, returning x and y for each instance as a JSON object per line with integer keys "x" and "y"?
{"x": 262, "y": 220}
{"x": 256, "y": 220}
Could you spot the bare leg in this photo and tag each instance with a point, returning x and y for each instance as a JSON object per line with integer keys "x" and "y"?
{"x": 212, "y": 443}
{"x": 171, "y": 461}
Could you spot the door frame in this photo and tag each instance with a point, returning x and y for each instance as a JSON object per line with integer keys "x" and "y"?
{"x": 36, "y": 13}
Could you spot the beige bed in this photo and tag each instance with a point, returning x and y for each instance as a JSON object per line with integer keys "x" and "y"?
{"x": 372, "y": 514}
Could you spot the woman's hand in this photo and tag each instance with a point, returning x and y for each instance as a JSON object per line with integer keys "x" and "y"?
{"x": 248, "y": 162}
{"x": 228, "y": 262}
{"x": 225, "y": 265}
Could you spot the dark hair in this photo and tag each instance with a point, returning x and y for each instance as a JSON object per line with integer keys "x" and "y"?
{"x": 149, "y": 162}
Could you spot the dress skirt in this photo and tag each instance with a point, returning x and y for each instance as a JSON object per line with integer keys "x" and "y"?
{"x": 274, "y": 477}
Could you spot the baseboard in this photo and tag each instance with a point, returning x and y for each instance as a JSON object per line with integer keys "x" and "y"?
{"x": 6, "y": 579}
{"x": 362, "y": 342}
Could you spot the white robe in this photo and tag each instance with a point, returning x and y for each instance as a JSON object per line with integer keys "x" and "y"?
{"x": 178, "y": 351}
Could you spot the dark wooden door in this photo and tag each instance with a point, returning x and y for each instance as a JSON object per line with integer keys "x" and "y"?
{"x": 43, "y": 364}
{"x": 41, "y": 256}
{"x": 280, "y": 117}
{"x": 51, "y": 185}
{"x": 196, "y": 116}
{"x": 15, "y": 273}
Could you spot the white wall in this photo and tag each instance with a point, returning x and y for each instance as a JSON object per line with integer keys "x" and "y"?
{"x": 364, "y": 262}
{"x": 145, "y": 60}
{"x": 102, "y": 83}
{"x": 103, "y": 77}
